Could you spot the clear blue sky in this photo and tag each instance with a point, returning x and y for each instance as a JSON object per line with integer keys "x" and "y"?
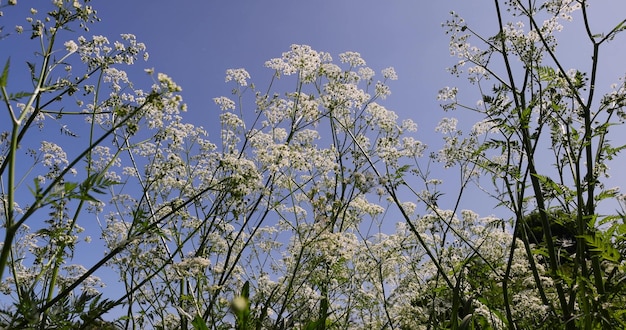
{"x": 195, "y": 41}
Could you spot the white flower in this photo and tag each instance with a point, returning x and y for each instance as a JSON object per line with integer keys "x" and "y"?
{"x": 53, "y": 156}
{"x": 409, "y": 125}
{"x": 119, "y": 46}
{"x": 300, "y": 58}
{"x": 447, "y": 93}
{"x": 71, "y": 46}
{"x": 390, "y": 73}
{"x": 366, "y": 73}
{"x": 382, "y": 90}
{"x": 447, "y": 125}
{"x": 224, "y": 103}
{"x": 238, "y": 75}
{"x": 352, "y": 58}
{"x": 482, "y": 127}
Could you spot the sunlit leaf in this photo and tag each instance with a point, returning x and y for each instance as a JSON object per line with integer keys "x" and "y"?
{"x": 5, "y": 73}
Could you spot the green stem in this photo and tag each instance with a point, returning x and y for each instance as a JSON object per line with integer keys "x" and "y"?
{"x": 10, "y": 225}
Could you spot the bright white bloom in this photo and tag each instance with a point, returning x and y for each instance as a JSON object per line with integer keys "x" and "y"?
{"x": 71, "y": 46}
{"x": 447, "y": 125}
{"x": 238, "y": 75}
{"x": 224, "y": 103}
{"x": 447, "y": 93}
{"x": 352, "y": 58}
{"x": 383, "y": 118}
{"x": 301, "y": 58}
{"x": 382, "y": 90}
{"x": 409, "y": 125}
{"x": 366, "y": 73}
{"x": 53, "y": 156}
{"x": 390, "y": 73}
{"x": 482, "y": 127}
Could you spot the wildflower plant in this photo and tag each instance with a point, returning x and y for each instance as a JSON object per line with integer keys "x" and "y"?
{"x": 269, "y": 226}
{"x": 546, "y": 148}
{"x": 312, "y": 206}
{"x": 53, "y": 196}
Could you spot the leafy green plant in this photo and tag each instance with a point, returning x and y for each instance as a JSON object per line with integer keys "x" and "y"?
{"x": 544, "y": 103}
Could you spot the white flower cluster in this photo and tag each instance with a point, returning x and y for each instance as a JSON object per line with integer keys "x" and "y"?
{"x": 54, "y": 158}
{"x": 302, "y": 59}
{"x": 97, "y": 52}
{"x": 238, "y": 75}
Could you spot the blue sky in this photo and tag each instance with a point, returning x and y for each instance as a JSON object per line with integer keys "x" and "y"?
{"x": 195, "y": 41}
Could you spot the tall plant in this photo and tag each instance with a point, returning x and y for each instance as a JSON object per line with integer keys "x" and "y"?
{"x": 547, "y": 151}
{"x": 65, "y": 136}
{"x": 272, "y": 225}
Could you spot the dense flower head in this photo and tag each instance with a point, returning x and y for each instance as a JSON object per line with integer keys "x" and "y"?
{"x": 224, "y": 103}
{"x": 302, "y": 59}
{"x": 238, "y": 75}
{"x": 352, "y": 58}
{"x": 366, "y": 73}
{"x": 390, "y": 73}
{"x": 53, "y": 157}
{"x": 98, "y": 52}
{"x": 71, "y": 46}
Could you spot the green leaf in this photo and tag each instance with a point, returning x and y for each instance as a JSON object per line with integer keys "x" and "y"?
{"x": 591, "y": 220}
{"x": 546, "y": 73}
{"x": 97, "y": 183}
{"x": 19, "y": 95}
{"x": 604, "y": 248}
{"x": 611, "y": 254}
{"x": 549, "y": 184}
{"x": 617, "y": 29}
{"x": 465, "y": 322}
{"x": 541, "y": 252}
{"x": 37, "y": 190}
{"x": 525, "y": 117}
{"x": 313, "y": 325}
{"x": 198, "y": 323}
{"x": 610, "y": 151}
{"x": 400, "y": 172}
{"x": 5, "y": 73}
{"x": 31, "y": 68}
{"x": 69, "y": 187}
{"x": 611, "y": 193}
{"x": 245, "y": 290}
